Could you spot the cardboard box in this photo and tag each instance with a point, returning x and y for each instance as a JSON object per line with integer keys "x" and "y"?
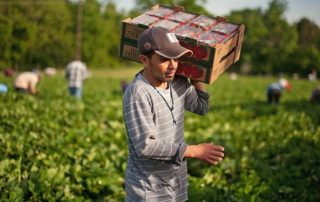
{"x": 130, "y": 31}
{"x": 213, "y": 61}
{"x": 212, "y": 55}
{"x": 129, "y": 50}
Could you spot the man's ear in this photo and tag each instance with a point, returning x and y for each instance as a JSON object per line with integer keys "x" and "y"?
{"x": 144, "y": 60}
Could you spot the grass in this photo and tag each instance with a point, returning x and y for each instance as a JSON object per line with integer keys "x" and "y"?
{"x": 54, "y": 148}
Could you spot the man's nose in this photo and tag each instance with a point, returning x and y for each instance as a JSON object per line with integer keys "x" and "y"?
{"x": 173, "y": 63}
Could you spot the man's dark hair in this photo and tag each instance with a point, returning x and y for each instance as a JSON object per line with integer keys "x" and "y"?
{"x": 149, "y": 55}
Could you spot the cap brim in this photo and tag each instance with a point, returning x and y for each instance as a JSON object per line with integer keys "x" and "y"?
{"x": 174, "y": 52}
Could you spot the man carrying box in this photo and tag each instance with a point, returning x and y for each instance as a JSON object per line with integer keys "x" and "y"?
{"x": 153, "y": 107}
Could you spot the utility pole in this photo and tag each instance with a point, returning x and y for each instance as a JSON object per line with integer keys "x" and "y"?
{"x": 79, "y": 30}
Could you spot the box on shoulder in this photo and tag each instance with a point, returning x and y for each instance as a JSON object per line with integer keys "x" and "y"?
{"x": 216, "y": 43}
{"x": 156, "y": 16}
{"x": 208, "y": 62}
{"x": 129, "y": 50}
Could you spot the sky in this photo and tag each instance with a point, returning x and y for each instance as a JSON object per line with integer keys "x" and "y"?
{"x": 295, "y": 11}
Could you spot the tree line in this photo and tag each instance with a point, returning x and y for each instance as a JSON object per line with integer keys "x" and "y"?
{"x": 38, "y": 34}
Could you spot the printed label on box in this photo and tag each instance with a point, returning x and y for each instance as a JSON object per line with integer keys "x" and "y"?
{"x": 133, "y": 32}
{"x": 130, "y": 52}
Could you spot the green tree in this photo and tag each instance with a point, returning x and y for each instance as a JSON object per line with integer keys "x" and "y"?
{"x": 93, "y": 34}
{"x": 309, "y": 33}
{"x": 6, "y": 27}
{"x": 253, "y": 46}
{"x": 112, "y": 20}
{"x": 282, "y": 38}
{"x": 269, "y": 40}
{"x": 190, "y": 5}
{"x": 17, "y": 34}
{"x": 100, "y": 33}
{"x": 304, "y": 60}
{"x": 34, "y": 33}
{"x": 306, "y": 56}
{"x": 53, "y": 38}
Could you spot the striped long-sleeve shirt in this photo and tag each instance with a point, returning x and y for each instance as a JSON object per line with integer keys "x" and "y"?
{"x": 156, "y": 169}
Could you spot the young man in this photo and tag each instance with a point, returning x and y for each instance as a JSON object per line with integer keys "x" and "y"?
{"x": 76, "y": 73}
{"x": 27, "y": 82}
{"x": 154, "y": 105}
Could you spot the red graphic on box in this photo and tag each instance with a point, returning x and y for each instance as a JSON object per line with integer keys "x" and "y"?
{"x": 199, "y": 52}
{"x": 225, "y": 28}
{"x": 182, "y": 17}
{"x": 212, "y": 38}
{"x": 170, "y": 25}
{"x": 188, "y": 31}
{"x": 204, "y": 22}
{"x": 190, "y": 70}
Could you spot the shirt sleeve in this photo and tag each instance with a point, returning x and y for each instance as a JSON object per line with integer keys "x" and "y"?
{"x": 196, "y": 101}
{"x": 142, "y": 133}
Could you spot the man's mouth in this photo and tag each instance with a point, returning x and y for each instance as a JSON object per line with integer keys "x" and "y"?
{"x": 170, "y": 74}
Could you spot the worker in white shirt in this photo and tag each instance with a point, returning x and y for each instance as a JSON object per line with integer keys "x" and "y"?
{"x": 26, "y": 82}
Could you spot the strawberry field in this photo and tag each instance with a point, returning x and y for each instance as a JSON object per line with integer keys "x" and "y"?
{"x": 55, "y": 148}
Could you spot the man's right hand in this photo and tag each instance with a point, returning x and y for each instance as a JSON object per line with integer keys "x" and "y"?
{"x": 206, "y": 152}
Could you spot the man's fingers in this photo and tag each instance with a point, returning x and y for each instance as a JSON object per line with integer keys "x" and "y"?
{"x": 211, "y": 153}
{"x": 215, "y": 158}
{"x": 216, "y": 153}
{"x": 212, "y": 162}
{"x": 217, "y": 148}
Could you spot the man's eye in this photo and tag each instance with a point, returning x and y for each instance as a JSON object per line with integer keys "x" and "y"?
{"x": 163, "y": 59}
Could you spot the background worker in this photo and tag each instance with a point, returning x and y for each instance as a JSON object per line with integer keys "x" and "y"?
{"x": 27, "y": 82}
{"x": 315, "y": 95}
{"x": 76, "y": 73}
{"x": 275, "y": 90}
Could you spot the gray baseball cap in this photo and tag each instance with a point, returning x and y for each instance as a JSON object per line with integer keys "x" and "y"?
{"x": 162, "y": 42}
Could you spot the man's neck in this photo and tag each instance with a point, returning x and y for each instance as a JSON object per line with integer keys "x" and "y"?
{"x": 154, "y": 82}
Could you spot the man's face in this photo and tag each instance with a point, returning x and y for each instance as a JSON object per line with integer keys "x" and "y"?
{"x": 162, "y": 69}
